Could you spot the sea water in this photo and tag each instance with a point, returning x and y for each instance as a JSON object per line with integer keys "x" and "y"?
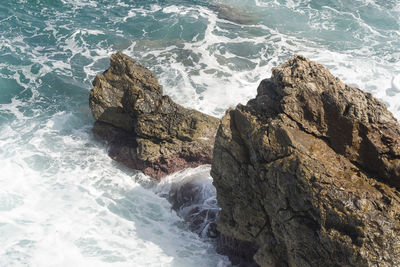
{"x": 63, "y": 201}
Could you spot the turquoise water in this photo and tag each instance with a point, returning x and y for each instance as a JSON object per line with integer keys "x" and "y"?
{"x": 63, "y": 202}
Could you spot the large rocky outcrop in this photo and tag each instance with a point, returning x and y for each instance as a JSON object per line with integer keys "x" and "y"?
{"x": 307, "y": 173}
{"x": 145, "y": 129}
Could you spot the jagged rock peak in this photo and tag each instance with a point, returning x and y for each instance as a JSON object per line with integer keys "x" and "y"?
{"x": 145, "y": 129}
{"x": 353, "y": 123}
{"x": 307, "y": 173}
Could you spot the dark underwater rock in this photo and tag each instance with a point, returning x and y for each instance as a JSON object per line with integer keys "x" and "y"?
{"x": 193, "y": 197}
{"x": 233, "y": 14}
{"x": 307, "y": 173}
{"x": 145, "y": 129}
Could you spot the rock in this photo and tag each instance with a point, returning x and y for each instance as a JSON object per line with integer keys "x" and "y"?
{"x": 190, "y": 202}
{"x": 232, "y": 14}
{"x": 193, "y": 197}
{"x": 145, "y": 129}
{"x": 308, "y": 172}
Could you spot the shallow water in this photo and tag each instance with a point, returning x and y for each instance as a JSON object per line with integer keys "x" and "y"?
{"x": 63, "y": 202}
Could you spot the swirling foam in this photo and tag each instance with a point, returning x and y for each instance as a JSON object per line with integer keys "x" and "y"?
{"x": 62, "y": 200}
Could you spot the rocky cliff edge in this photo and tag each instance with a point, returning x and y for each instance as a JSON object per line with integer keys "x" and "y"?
{"x": 307, "y": 173}
{"x": 145, "y": 129}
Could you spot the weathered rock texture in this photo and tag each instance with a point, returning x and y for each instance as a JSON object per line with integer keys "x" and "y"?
{"x": 306, "y": 173}
{"x": 145, "y": 129}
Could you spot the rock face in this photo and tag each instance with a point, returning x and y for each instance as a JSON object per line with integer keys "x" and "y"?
{"x": 145, "y": 129}
{"x": 308, "y": 172}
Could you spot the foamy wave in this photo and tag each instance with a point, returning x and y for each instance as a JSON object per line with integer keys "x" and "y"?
{"x": 61, "y": 197}
{"x": 63, "y": 201}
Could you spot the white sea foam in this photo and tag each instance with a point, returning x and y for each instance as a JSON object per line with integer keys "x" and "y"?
{"x": 62, "y": 200}
{"x": 235, "y": 86}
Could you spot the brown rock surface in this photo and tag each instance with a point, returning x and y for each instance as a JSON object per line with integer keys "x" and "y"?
{"x": 306, "y": 173}
{"x": 145, "y": 129}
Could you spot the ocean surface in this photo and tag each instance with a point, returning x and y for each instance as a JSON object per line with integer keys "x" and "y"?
{"x": 63, "y": 201}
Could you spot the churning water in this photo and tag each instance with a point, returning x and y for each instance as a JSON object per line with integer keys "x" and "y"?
{"x": 63, "y": 202}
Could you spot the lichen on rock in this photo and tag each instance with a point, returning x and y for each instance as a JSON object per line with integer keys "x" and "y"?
{"x": 308, "y": 172}
{"x": 145, "y": 129}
